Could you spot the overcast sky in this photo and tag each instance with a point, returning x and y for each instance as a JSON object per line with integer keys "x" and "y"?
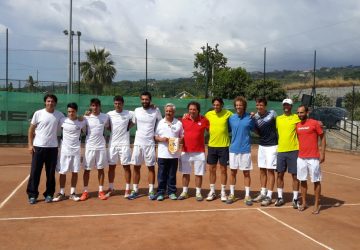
{"x": 176, "y": 30}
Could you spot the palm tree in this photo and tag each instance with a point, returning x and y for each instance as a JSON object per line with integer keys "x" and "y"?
{"x": 98, "y": 70}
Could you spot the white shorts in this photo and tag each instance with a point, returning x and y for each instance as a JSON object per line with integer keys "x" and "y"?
{"x": 68, "y": 163}
{"x": 308, "y": 166}
{"x": 142, "y": 154}
{"x": 120, "y": 154}
{"x": 240, "y": 161}
{"x": 197, "y": 159}
{"x": 267, "y": 157}
{"x": 95, "y": 158}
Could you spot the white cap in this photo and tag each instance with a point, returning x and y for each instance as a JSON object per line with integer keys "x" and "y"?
{"x": 288, "y": 101}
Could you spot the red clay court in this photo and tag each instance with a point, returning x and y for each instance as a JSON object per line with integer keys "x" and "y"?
{"x": 143, "y": 224}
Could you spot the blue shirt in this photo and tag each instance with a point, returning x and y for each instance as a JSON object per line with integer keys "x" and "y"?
{"x": 240, "y": 133}
{"x": 266, "y": 126}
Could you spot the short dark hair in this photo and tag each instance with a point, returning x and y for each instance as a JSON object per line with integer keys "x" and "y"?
{"x": 119, "y": 98}
{"x": 305, "y": 107}
{"x": 219, "y": 99}
{"x": 261, "y": 99}
{"x": 195, "y": 104}
{"x": 95, "y": 101}
{"x": 50, "y": 96}
{"x": 147, "y": 93}
{"x": 242, "y": 100}
{"x": 73, "y": 105}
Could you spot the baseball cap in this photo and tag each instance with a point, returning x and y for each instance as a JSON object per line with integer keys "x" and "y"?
{"x": 288, "y": 101}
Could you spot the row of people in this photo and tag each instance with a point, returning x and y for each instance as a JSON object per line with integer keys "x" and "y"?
{"x": 278, "y": 148}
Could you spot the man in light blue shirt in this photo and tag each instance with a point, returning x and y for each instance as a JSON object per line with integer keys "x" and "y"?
{"x": 240, "y": 124}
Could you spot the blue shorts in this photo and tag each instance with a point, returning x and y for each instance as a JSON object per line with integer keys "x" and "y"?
{"x": 287, "y": 161}
{"x": 218, "y": 154}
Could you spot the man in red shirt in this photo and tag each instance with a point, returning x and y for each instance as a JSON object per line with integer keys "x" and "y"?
{"x": 194, "y": 126}
{"x": 309, "y": 158}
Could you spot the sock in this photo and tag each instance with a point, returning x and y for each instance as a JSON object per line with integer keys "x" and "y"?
{"x": 280, "y": 192}
{"x": 101, "y": 188}
{"x": 295, "y": 195}
{"x": 151, "y": 188}
{"x": 263, "y": 191}
{"x": 111, "y": 186}
{"x": 223, "y": 189}
{"x": 62, "y": 191}
{"x": 86, "y": 189}
{"x": 135, "y": 187}
{"x": 232, "y": 189}
{"x": 72, "y": 190}
{"x": 212, "y": 188}
{"x": 127, "y": 186}
{"x": 185, "y": 189}
{"x": 198, "y": 190}
{"x": 269, "y": 194}
{"x": 247, "y": 191}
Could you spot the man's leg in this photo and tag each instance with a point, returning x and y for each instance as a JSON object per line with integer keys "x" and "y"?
{"x": 151, "y": 179}
{"x": 303, "y": 194}
{"x": 35, "y": 173}
{"x": 171, "y": 183}
{"x": 280, "y": 187}
{"x": 231, "y": 197}
{"x": 317, "y": 192}
{"x": 111, "y": 177}
{"x": 223, "y": 169}
{"x": 212, "y": 178}
{"x": 263, "y": 183}
{"x": 50, "y": 166}
{"x": 161, "y": 180}
{"x": 127, "y": 175}
{"x": 101, "y": 178}
{"x": 86, "y": 177}
{"x": 295, "y": 186}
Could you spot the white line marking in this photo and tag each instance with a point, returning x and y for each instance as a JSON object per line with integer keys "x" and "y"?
{"x": 157, "y": 212}
{"x": 13, "y": 192}
{"x": 346, "y": 176}
{"x": 294, "y": 229}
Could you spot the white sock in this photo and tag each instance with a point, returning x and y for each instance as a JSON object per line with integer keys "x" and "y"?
{"x": 135, "y": 187}
{"x": 232, "y": 189}
{"x": 198, "y": 190}
{"x": 247, "y": 191}
{"x": 151, "y": 188}
{"x": 263, "y": 191}
{"x": 269, "y": 194}
{"x": 72, "y": 190}
{"x": 212, "y": 188}
{"x": 62, "y": 191}
{"x": 86, "y": 189}
{"x": 295, "y": 195}
{"x": 185, "y": 189}
{"x": 223, "y": 189}
{"x": 280, "y": 192}
{"x": 111, "y": 186}
{"x": 127, "y": 186}
{"x": 101, "y": 188}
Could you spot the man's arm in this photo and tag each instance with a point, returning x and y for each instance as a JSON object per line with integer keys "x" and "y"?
{"x": 31, "y": 135}
{"x": 323, "y": 146}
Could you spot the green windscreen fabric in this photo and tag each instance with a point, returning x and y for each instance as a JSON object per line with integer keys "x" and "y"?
{"x": 17, "y": 108}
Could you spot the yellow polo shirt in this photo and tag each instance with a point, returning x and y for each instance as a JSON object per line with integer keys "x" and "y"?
{"x": 286, "y": 128}
{"x": 219, "y": 132}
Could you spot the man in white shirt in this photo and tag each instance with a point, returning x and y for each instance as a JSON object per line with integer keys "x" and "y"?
{"x": 146, "y": 118}
{"x": 95, "y": 147}
{"x": 43, "y": 145}
{"x": 70, "y": 151}
{"x": 119, "y": 145}
{"x": 169, "y": 133}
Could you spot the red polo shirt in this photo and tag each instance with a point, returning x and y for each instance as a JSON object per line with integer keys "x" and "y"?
{"x": 194, "y": 140}
{"x": 308, "y": 133}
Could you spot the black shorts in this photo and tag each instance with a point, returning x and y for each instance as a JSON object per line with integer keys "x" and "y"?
{"x": 287, "y": 160}
{"x": 216, "y": 154}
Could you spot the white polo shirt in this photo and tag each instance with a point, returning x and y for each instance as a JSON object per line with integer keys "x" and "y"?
{"x": 70, "y": 144}
{"x": 47, "y": 125}
{"x": 95, "y": 139}
{"x": 119, "y": 122}
{"x": 146, "y": 120}
{"x": 164, "y": 129}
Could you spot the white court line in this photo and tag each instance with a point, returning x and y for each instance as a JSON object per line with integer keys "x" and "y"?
{"x": 294, "y": 229}
{"x": 346, "y": 176}
{"x": 156, "y": 212}
{"x": 13, "y": 192}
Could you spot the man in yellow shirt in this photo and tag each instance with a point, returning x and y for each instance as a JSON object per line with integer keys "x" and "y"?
{"x": 288, "y": 148}
{"x": 218, "y": 145}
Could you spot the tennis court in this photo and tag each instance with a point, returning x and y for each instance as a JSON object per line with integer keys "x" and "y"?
{"x": 144, "y": 224}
